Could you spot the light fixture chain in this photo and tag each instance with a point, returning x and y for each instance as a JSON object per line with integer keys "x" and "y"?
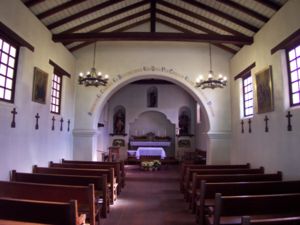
{"x": 94, "y": 54}
{"x": 210, "y": 64}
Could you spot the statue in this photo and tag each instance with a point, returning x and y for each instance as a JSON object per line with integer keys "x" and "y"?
{"x": 184, "y": 122}
{"x": 119, "y": 122}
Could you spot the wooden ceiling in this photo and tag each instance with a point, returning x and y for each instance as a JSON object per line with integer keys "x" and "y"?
{"x": 228, "y": 24}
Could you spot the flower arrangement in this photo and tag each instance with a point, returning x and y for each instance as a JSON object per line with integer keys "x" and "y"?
{"x": 151, "y": 165}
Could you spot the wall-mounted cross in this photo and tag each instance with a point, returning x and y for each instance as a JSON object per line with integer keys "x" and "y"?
{"x": 37, "y": 116}
{"x": 61, "y": 124}
{"x": 69, "y": 125}
{"x": 13, "y": 122}
{"x": 53, "y": 121}
{"x": 242, "y": 126}
{"x": 289, "y": 116}
{"x": 249, "y": 122}
{"x": 266, "y": 121}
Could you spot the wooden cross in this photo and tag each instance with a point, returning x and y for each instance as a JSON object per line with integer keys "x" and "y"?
{"x": 249, "y": 122}
{"x": 61, "y": 124}
{"x": 266, "y": 121}
{"x": 289, "y": 116}
{"x": 242, "y": 124}
{"x": 13, "y": 122}
{"x": 53, "y": 120}
{"x": 69, "y": 125}
{"x": 37, "y": 116}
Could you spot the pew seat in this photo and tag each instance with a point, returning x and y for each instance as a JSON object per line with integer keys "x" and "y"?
{"x": 294, "y": 220}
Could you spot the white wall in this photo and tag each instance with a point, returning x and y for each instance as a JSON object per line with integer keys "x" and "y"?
{"x": 23, "y": 146}
{"x": 186, "y": 59}
{"x": 278, "y": 149}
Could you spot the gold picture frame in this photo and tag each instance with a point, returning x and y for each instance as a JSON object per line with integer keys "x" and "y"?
{"x": 264, "y": 91}
{"x": 39, "y": 88}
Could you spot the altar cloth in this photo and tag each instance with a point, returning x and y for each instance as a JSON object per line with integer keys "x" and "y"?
{"x": 150, "y": 151}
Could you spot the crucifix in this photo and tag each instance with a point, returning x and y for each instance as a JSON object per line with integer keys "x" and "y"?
{"x": 61, "y": 124}
{"x": 69, "y": 125}
{"x": 242, "y": 124}
{"x": 266, "y": 121}
{"x": 37, "y": 116}
{"x": 289, "y": 116}
{"x": 13, "y": 122}
{"x": 53, "y": 120}
{"x": 249, "y": 122}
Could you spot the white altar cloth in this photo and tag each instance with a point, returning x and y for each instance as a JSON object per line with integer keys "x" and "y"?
{"x": 150, "y": 151}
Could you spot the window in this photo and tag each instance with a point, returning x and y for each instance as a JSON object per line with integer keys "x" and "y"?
{"x": 8, "y": 64}
{"x": 248, "y": 94}
{"x": 294, "y": 75}
{"x": 56, "y": 94}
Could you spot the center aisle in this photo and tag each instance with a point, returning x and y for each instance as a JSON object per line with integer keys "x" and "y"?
{"x": 150, "y": 198}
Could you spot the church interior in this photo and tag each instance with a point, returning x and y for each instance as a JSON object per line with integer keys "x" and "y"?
{"x": 192, "y": 88}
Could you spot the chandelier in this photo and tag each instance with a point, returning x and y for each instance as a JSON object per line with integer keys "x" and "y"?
{"x": 212, "y": 81}
{"x": 92, "y": 78}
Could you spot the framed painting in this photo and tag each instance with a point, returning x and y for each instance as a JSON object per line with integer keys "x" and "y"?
{"x": 39, "y": 88}
{"x": 118, "y": 142}
{"x": 264, "y": 91}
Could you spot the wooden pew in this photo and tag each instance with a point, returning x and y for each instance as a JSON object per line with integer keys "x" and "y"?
{"x": 122, "y": 166}
{"x": 184, "y": 166}
{"x": 85, "y": 195}
{"x": 206, "y": 195}
{"x": 190, "y": 172}
{"x": 38, "y": 211}
{"x": 294, "y": 220}
{"x": 84, "y": 172}
{"x": 217, "y": 178}
{"x": 229, "y": 209}
{"x": 116, "y": 168}
{"x": 100, "y": 184}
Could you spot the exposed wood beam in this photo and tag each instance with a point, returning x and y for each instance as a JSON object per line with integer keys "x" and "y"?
{"x": 32, "y": 3}
{"x": 269, "y": 4}
{"x": 58, "y": 8}
{"x": 153, "y": 15}
{"x": 145, "y": 36}
{"x": 187, "y": 22}
{"x": 246, "y": 70}
{"x": 199, "y": 17}
{"x": 222, "y": 15}
{"x": 179, "y": 28}
{"x": 244, "y": 10}
{"x": 83, "y": 13}
{"x": 117, "y": 22}
{"x": 118, "y": 30}
{"x": 106, "y": 16}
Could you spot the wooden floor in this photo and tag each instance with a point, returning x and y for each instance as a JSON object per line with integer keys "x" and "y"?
{"x": 150, "y": 198}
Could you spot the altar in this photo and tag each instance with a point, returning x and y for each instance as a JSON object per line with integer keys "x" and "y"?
{"x": 150, "y": 151}
{"x": 150, "y": 143}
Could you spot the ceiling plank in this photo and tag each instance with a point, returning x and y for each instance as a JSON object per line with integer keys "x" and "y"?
{"x": 244, "y": 9}
{"x": 269, "y": 4}
{"x": 188, "y": 23}
{"x": 83, "y": 13}
{"x": 145, "y": 36}
{"x": 222, "y": 15}
{"x": 106, "y": 16}
{"x": 153, "y": 15}
{"x": 199, "y": 17}
{"x": 117, "y": 22}
{"x": 179, "y": 28}
{"x": 59, "y": 8}
{"x": 118, "y": 30}
{"x": 32, "y": 3}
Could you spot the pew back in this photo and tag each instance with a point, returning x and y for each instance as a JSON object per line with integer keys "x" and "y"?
{"x": 38, "y": 211}
{"x": 295, "y": 220}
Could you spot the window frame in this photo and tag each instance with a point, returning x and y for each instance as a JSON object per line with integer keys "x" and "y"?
{"x": 15, "y": 68}
{"x": 246, "y": 76}
{"x": 60, "y": 93}
{"x": 287, "y": 50}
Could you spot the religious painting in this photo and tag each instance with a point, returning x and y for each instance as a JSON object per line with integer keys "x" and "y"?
{"x": 184, "y": 121}
{"x": 119, "y": 120}
{"x": 184, "y": 143}
{"x": 264, "y": 91}
{"x": 152, "y": 97}
{"x": 39, "y": 88}
{"x": 118, "y": 142}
